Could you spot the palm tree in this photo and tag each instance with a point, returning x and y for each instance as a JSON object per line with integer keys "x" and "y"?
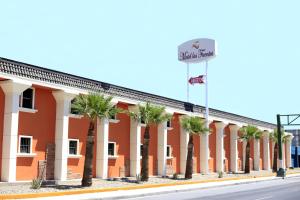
{"x": 92, "y": 106}
{"x": 194, "y": 126}
{"x": 274, "y": 137}
{"x": 248, "y": 133}
{"x": 149, "y": 115}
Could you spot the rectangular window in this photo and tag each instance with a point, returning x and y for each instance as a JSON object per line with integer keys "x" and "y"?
{"x": 169, "y": 125}
{"x": 111, "y": 149}
{"x": 27, "y": 99}
{"x": 25, "y": 144}
{"x": 73, "y": 146}
{"x": 169, "y": 151}
{"x": 73, "y": 111}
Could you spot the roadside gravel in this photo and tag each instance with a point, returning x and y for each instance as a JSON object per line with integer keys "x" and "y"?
{"x": 25, "y": 187}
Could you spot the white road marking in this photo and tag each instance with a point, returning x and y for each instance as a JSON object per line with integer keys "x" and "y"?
{"x": 267, "y": 197}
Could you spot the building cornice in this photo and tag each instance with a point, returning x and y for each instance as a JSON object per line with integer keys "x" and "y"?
{"x": 41, "y": 74}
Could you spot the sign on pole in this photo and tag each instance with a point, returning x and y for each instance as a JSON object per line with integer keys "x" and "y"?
{"x": 197, "y": 50}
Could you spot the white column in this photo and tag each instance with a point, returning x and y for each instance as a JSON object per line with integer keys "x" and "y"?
{"x": 234, "y": 148}
{"x": 184, "y": 140}
{"x": 288, "y": 153}
{"x": 102, "y": 148}
{"x": 272, "y": 154}
{"x": 283, "y": 156}
{"x": 63, "y": 103}
{"x": 162, "y": 148}
{"x": 256, "y": 151}
{"x": 220, "y": 146}
{"x": 266, "y": 145}
{"x": 135, "y": 146}
{"x": 204, "y": 153}
{"x": 12, "y": 90}
{"x": 244, "y": 153}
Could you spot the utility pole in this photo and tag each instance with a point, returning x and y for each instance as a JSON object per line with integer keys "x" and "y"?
{"x": 281, "y": 171}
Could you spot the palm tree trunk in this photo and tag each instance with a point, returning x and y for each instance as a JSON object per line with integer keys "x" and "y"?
{"x": 89, "y": 154}
{"x": 275, "y": 157}
{"x": 247, "y": 164}
{"x": 189, "y": 159}
{"x": 145, "y": 158}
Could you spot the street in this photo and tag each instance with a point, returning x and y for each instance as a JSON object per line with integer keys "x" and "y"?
{"x": 283, "y": 189}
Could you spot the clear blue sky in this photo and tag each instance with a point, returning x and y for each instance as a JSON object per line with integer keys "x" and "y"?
{"x": 134, "y": 44}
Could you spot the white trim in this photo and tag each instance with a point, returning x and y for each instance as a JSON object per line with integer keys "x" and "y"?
{"x": 77, "y": 149}
{"x": 114, "y": 121}
{"x": 76, "y": 116}
{"x": 28, "y": 110}
{"x": 170, "y": 151}
{"x": 26, "y": 154}
{"x": 74, "y": 156}
{"x": 19, "y": 144}
{"x": 115, "y": 150}
{"x": 33, "y": 99}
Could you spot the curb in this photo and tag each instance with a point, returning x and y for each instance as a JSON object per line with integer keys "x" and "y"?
{"x": 126, "y": 188}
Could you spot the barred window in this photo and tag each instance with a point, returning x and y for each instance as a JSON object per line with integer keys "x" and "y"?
{"x": 73, "y": 146}
{"x": 111, "y": 149}
{"x": 25, "y": 144}
{"x": 169, "y": 151}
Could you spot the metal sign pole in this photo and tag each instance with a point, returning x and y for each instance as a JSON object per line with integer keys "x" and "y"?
{"x": 187, "y": 82}
{"x": 206, "y": 94}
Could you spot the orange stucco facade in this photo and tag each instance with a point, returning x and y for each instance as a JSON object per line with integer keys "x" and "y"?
{"x": 41, "y": 126}
{"x": 40, "y": 123}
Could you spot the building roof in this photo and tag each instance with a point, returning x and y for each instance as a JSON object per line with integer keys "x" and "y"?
{"x": 25, "y": 70}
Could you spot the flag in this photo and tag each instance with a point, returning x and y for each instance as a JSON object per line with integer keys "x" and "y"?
{"x": 198, "y": 79}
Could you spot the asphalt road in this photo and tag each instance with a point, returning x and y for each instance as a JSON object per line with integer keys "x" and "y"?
{"x": 281, "y": 189}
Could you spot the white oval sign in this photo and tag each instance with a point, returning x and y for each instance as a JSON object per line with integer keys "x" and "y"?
{"x": 197, "y": 50}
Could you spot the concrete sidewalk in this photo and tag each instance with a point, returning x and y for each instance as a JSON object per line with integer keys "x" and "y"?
{"x": 143, "y": 190}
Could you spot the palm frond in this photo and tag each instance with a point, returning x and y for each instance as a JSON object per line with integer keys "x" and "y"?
{"x": 194, "y": 125}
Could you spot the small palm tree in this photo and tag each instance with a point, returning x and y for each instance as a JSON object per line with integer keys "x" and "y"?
{"x": 194, "y": 126}
{"x": 149, "y": 115}
{"x": 274, "y": 137}
{"x": 248, "y": 133}
{"x": 92, "y": 106}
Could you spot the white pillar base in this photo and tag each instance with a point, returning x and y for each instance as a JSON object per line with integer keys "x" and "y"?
{"x": 63, "y": 103}
{"x": 234, "y": 148}
{"x": 12, "y": 90}
{"x": 204, "y": 153}
{"x": 102, "y": 148}
{"x": 184, "y": 140}
{"x": 220, "y": 146}
{"x": 162, "y": 149}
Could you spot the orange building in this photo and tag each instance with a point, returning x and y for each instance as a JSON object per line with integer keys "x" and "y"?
{"x": 40, "y": 135}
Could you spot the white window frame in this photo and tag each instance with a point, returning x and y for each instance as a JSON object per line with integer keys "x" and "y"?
{"x": 77, "y": 150}
{"x": 33, "y": 98}
{"x": 170, "y": 151}
{"x": 29, "y": 110}
{"x": 19, "y": 145}
{"x": 115, "y": 150}
{"x": 72, "y": 115}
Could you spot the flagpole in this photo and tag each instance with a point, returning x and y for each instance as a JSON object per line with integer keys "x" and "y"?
{"x": 187, "y": 83}
{"x": 206, "y": 95}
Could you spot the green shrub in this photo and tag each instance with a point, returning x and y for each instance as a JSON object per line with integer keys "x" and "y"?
{"x": 220, "y": 174}
{"x": 36, "y": 183}
{"x": 175, "y": 176}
